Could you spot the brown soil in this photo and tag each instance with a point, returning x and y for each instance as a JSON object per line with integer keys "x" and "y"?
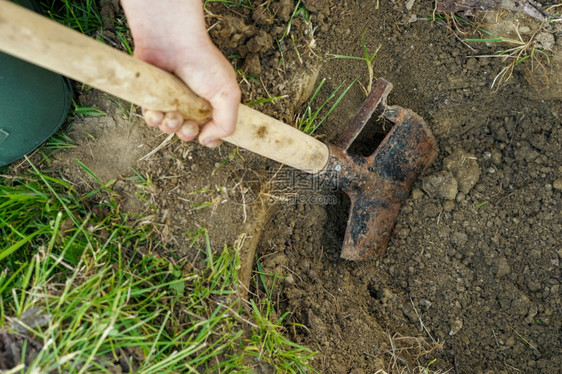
{"x": 472, "y": 275}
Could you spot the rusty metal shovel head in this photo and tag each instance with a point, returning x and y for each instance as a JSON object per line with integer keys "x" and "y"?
{"x": 378, "y": 185}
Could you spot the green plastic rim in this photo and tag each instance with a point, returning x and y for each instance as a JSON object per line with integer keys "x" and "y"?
{"x": 34, "y": 103}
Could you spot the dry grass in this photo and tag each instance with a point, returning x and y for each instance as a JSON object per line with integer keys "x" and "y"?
{"x": 412, "y": 355}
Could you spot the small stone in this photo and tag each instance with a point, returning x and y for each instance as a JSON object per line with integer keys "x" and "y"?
{"x": 448, "y": 205}
{"x": 510, "y": 342}
{"x": 403, "y": 233}
{"x": 431, "y": 210}
{"x": 289, "y": 279}
{"x": 533, "y": 286}
{"x": 496, "y": 157}
{"x": 503, "y": 267}
{"x": 456, "y": 326}
{"x": 465, "y": 169}
{"x": 521, "y": 305}
{"x": 417, "y": 194}
{"x": 441, "y": 185}
{"x": 459, "y": 238}
{"x": 557, "y": 184}
{"x": 533, "y": 311}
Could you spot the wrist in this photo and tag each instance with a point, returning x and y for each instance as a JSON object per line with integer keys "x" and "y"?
{"x": 167, "y": 24}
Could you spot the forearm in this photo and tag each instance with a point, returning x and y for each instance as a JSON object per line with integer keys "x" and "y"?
{"x": 169, "y": 24}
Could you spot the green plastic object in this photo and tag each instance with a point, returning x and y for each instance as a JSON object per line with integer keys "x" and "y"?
{"x": 34, "y": 103}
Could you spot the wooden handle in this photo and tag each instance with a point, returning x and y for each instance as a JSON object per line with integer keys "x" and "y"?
{"x": 36, "y": 39}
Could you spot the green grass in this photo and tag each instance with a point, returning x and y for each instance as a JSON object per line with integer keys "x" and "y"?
{"x": 268, "y": 340}
{"x": 311, "y": 119}
{"x": 298, "y": 10}
{"x": 79, "y": 111}
{"x": 81, "y": 15}
{"x": 268, "y": 343}
{"x": 81, "y": 281}
{"x": 368, "y": 58}
{"x": 85, "y": 16}
{"x": 266, "y": 100}
{"x": 60, "y": 140}
{"x": 242, "y": 3}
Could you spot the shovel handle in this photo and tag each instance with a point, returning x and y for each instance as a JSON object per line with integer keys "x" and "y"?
{"x": 41, "y": 41}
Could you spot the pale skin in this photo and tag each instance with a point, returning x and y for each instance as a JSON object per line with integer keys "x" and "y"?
{"x": 172, "y": 35}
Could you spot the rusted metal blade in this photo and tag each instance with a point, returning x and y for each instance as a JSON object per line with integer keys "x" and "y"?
{"x": 380, "y": 91}
{"x": 379, "y": 184}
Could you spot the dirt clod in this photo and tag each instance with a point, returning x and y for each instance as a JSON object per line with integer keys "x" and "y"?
{"x": 283, "y": 9}
{"x": 465, "y": 169}
{"x": 441, "y": 185}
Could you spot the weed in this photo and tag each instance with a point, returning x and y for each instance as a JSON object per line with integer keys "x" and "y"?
{"x": 368, "y": 58}
{"x": 268, "y": 344}
{"x": 480, "y": 205}
{"x": 242, "y": 3}
{"x": 60, "y": 140}
{"x": 243, "y": 77}
{"x": 83, "y": 15}
{"x": 525, "y": 340}
{"x": 520, "y": 50}
{"x": 228, "y": 158}
{"x": 299, "y": 10}
{"x": 128, "y": 110}
{"x": 266, "y": 100}
{"x": 405, "y": 354}
{"x": 125, "y": 42}
{"x": 79, "y": 111}
{"x": 309, "y": 121}
{"x": 270, "y": 348}
{"x": 296, "y": 50}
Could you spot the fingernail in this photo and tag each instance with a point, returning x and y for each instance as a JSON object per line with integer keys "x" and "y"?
{"x": 173, "y": 123}
{"x": 154, "y": 119}
{"x": 189, "y": 130}
{"x": 211, "y": 143}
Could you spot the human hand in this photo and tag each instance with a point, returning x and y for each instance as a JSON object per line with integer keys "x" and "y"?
{"x": 172, "y": 35}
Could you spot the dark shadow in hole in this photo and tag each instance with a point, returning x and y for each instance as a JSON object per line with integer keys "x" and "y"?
{"x": 375, "y": 292}
{"x": 336, "y": 223}
{"x": 338, "y": 213}
{"x": 369, "y": 139}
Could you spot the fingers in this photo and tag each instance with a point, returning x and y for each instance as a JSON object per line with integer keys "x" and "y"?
{"x": 188, "y": 131}
{"x": 172, "y": 123}
{"x": 225, "y": 111}
{"x": 152, "y": 118}
{"x": 212, "y": 77}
